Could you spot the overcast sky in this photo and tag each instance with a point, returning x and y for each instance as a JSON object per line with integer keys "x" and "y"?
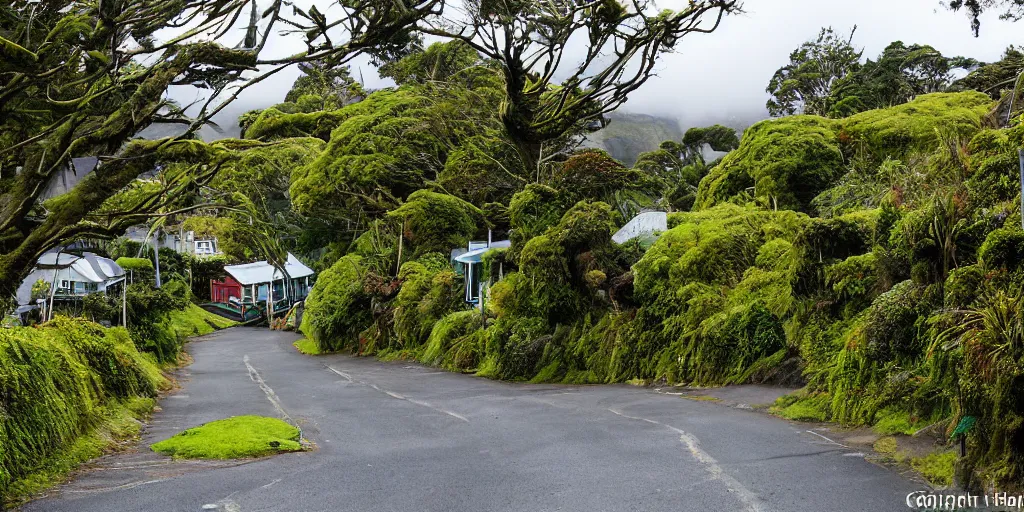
{"x": 721, "y": 76}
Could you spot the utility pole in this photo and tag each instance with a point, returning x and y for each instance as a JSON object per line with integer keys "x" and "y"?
{"x": 156, "y": 255}
{"x": 1020, "y": 153}
{"x": 124, "y": 302}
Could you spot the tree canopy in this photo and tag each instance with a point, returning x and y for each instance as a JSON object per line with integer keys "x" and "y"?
{"x": 82, "y": 80}
{"x": 804, "y": 85}
{"x": 1011, "y": 10}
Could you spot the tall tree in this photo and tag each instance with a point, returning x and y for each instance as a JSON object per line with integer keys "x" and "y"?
{"x": 82, "y": 79}
{"x": 805, "y": 84}
{"x": 324, "y": 87}
{"x": 994, "y": 78}
{"x": 549, "y": 95}
{"x": 679, "y": 166}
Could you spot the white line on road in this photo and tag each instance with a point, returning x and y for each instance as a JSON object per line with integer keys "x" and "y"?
{"x": 254, "y": 375}
{"x": 396, "y": 395}
{"x": 749, "y": 499}
{"x": 827, "y": 439}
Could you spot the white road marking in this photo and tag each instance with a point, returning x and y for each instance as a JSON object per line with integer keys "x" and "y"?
{"x": 254, "y": 375}
{"x": 270, "y": 484}
{"x": 827, "y": 439}
{"x": 396, "y": 395}
{"x": 748, "y": 498}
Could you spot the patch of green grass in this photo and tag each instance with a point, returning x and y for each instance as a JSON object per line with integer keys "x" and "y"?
{"x": 799, "y": 407}
{"x": 232, "y": 438}
{"x": 891, "y": 422}
{"x": 936, "y": 467}
{"x": 196, "y": 321}
{"x": 886, "y": 446}
{"x": 307, "y": 346}
{"x": 117, "y": 423}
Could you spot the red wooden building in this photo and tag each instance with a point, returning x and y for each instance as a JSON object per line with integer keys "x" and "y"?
{"x": 221, "y": 291}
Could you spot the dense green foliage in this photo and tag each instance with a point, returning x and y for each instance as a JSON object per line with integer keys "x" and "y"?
{"x": 787, "y": 162}
{"x": 865, "y": 256}
{"x": 804, "y": 85}
{"x": 61, "y": 381}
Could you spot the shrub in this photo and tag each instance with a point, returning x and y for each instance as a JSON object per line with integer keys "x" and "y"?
{"x": 532, "y": 211}
{"x": 1003, "y": 249}
{"x": 140, "y": 270}
{"x": 430, "y": 290}
{"x": 338, "y": 308}
{"x": 437, "y": 222}
{"x": 787, "y": 161}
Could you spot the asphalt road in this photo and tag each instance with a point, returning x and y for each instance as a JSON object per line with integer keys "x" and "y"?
{"x": 401, "y": 437}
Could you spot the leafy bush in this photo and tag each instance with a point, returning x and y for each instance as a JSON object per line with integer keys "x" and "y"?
{"x": 140, "y": 270}
{"x": 787, "y": 161}
{"x": 1003, "y": 249}
{"x": 59, "y": 380}
{"x": 437, "y": 222}
{"x": 338, "y": 308}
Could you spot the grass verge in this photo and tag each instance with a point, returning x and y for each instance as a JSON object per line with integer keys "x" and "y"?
{"x": 196, "y": 321}
{"x": 236, "y": 437}
{"x": 307, "y": 346}
{"x": 117, "y": 425}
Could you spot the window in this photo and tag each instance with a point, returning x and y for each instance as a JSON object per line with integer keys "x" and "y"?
{"x": 204, "y": 247}
{"x": 473, "y": 283}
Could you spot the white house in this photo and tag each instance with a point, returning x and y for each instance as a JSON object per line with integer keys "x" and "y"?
{"x": 472, "y": 261}
{"x": 71, "y": 276}
{"x": 251, "y": 282}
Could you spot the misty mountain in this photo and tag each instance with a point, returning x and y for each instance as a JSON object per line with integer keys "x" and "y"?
{"x": 628, "y": 134}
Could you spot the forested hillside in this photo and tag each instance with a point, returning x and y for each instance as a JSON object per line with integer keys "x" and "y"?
{"x": 872, "y": 257}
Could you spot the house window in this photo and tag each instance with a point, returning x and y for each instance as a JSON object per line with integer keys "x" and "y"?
{"x": 204, "y": 247}
{"x": 473, "y": 283}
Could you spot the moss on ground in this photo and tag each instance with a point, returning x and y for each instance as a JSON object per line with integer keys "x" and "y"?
{"x": 889, "y": 422}
{"x": 801, "y": 406}
{"x": 307, "y": 346}
{"x": 236, "y": 437}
